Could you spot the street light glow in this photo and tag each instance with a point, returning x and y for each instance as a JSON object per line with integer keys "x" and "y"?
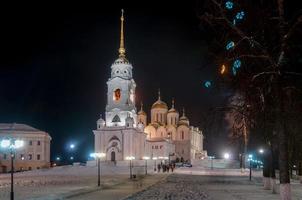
{"x": 18, "y": 144}
{"x": 226, "y": 156}
{"x": 130, "y": 158}
{"x": 146, "y": 158}
{"x": 72, "y": 146}
{"x": 97, "y": 155}
{"x": 261, "y": 151}
{"x": 5, "y": 143}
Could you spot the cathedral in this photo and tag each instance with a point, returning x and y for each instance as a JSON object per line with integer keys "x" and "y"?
{"x": 126, "y": 133}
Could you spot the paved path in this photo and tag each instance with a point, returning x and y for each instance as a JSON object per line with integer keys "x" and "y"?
{"x": 204, "y": 187}
{"x": 120, "y": 191}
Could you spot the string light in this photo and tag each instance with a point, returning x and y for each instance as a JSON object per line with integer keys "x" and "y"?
{"x": 207, "y": 84}
{"x": 229, "y": 5}
{"x": 230, "y": 45}
{"x": 240, "y": 15}
{"x": 222, "y": 71}
{"x": 237, "y": 64}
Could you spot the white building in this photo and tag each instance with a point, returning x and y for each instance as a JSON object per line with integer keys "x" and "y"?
{"x": 35, "y": 153}
{"x": 124, "y": 132}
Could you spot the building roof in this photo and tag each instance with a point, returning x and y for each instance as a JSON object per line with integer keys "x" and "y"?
{"x": 18, "y": 127}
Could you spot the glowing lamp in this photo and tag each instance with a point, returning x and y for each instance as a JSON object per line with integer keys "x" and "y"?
{"x": 5, "y": 143}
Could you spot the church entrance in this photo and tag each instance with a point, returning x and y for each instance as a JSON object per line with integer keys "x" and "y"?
{"x": 112, "y": 156}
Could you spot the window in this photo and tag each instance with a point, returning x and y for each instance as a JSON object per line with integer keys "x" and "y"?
{"x": 22, "y": 156}
{"x": 156, "y": 147}
{"x": 29, "y": 168}
{"x": 30, "y": 142}
{"x": 39, "y": 143}
{"x": 4, "y": 156}
{"x": 38, "y": 156}
{"x": 38, "y": 167}
{"x": 30, "y": 156}
{"x": 161, "y": 146}
{"x": 183, "y": 151}
{"x": 182, "y": 135}
{"x": 117, "y": 95}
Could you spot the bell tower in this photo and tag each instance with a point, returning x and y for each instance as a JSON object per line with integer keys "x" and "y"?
{"x": 121, "y": 88}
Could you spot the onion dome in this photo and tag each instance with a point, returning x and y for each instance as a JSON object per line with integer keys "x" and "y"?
{"x": 129, "y": 121}
{"x": 183, "y": 120}
{"x": 172, "y": 110}
{"x": 100, "y": 122}
{"x": 159, "y": 103}
{"x": 142, "y": 112}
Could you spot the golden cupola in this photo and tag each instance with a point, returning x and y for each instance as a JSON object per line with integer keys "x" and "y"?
{"x": 183, "y": 120}
{"x": 159, "y": 103}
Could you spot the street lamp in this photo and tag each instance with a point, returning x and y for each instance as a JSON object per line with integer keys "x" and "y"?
{"x": 261, "y": 151}
{"x": 12, "y": 145}
{"x": 72, "y": 146}
{"x": 250, "y": 159}
{"x": 226, "y": 156}
{"x": 130, "y": 158}
{"x": 98, "y": 156}
{"x": 146, "y": 158}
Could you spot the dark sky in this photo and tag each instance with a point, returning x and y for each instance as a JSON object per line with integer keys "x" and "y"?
{"x": 55, "y": 61}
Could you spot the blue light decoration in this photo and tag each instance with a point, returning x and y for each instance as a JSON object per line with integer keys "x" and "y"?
{"x": 207, "y": 84}
{"x": 240, "y": 15}
{"x": 234, "y": 71}
{"x": 229, "y": 5}
{"x": 237, "y": 64}
{"x": 230, "y": 45}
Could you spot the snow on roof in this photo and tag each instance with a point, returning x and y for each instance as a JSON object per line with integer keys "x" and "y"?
{"x": 17, "y": 127}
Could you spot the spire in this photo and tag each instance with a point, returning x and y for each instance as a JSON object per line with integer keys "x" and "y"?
{"x": 183, "y": 112}
{"x": 159, "y": 94}
{"x": 141, "y": 106}
{"x": 122, "y": 49}
{"x": 173, "y": 103}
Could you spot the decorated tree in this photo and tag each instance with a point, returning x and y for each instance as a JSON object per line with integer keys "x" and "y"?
{"x": 257, "y": 47}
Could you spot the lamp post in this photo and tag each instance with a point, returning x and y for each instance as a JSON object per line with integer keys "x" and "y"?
{"x": 211, "y": 157}
{"x": 154, "y": 158}
{"x": 12, "y": 145}
{"x": 130, "y": 158}
{"x": 98, "y": 156}
{"x": 146, "y": 158}
{"x": 250, "y": 159}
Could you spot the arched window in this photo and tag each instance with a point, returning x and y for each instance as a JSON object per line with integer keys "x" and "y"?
{"x": 182, "y": 135}
{"x": 117, "y": 95}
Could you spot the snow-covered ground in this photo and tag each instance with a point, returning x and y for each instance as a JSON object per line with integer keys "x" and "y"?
{"x": 185, "y": 183}
{"x": 206, "y": 184}
{"x": 54, "y": 182}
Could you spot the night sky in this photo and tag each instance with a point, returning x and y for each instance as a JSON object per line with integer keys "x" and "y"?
{"x": 55, "y": 61}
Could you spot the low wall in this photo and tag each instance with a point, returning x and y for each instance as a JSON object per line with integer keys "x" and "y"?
{"x": 216, "y": 163}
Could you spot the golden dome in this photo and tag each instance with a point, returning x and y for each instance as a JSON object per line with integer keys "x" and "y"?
{"x": 172, "y": 110}
{"x": 160, "y": 104}
{"x": 183, "y": 120}
{"x": 141, "y": 112}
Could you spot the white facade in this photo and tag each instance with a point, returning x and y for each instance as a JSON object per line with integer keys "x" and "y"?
{"x": 124, "y": 132}
{"x": 35, "y": 153}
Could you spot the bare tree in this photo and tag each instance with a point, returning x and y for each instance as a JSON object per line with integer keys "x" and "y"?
{"x": 265, "y": 42}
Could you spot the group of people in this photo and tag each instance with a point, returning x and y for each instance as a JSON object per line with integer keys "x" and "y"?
{"x": 165, "y": 167}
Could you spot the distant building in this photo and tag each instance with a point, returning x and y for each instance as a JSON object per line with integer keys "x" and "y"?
{"x": 35, "y": 153}
{"x": 125, "y": 133}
